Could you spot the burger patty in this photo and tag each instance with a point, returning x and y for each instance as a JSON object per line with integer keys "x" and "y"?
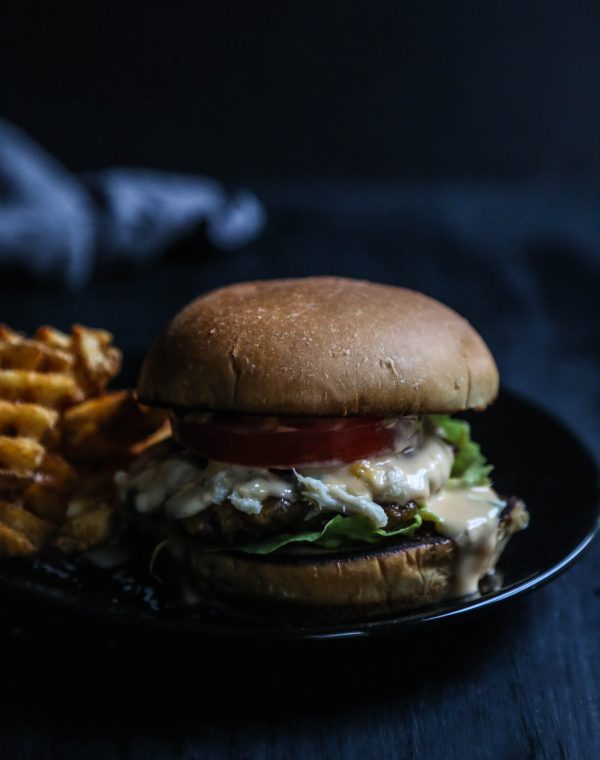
{"x": 224, "y": 524}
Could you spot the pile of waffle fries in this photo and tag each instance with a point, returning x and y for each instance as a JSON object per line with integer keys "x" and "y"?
{"x": 62, "y": 438}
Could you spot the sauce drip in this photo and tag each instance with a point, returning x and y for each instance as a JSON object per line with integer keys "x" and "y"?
{"x": 470, "y": 518}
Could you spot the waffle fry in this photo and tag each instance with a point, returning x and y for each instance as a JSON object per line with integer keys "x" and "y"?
{"x": 86, "y": 361}
{"x": 91, "y": 515}
{"x": 22, "y": 533}
{"x": 27, "y": 420}
{"x": 47, "y": 496}
{"x": 86, "y": 530}
{"x": 105, "y": 427}
{"x": 51, "y": 389}
{"x": 97, "y": 361}
{"x": 20, "y": 455}
{"x": 54, "y": 338}
{"x": 62, "y": 437}
{"x": 18, "y": 352}
{"x": 14, "y": 543}
{"x": 13, "y": 485}
{"x": 26, "y": 468}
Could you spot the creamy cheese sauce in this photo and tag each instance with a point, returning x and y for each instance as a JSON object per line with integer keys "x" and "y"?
{"x": 156, "y": 482}
{"x": 246, "y": 488}
{"x": 470, "y": 518}
{"x": 398, "y": 478}
{"x": 185, "y": 488}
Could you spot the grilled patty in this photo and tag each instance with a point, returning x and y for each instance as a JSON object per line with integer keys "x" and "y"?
{"x": 224, "y": 524}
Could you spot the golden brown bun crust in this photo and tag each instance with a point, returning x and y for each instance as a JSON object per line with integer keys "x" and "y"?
{"x": 324, "y": 346}
{"x": 330, "y": 586}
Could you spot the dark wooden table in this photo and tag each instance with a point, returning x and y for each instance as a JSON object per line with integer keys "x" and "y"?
{"x": 519, "y": 682}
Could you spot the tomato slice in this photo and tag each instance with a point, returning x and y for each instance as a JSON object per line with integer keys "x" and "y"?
{"x": 285, "y": 442}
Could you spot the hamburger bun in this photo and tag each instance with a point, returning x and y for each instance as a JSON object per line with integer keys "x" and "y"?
{"x": 319, "y": 346}
{"x": 331, "y": 347}
{"x": 328, "y": 586}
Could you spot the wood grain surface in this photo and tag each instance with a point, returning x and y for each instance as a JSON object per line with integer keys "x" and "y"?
{"x": 519, "y": 682}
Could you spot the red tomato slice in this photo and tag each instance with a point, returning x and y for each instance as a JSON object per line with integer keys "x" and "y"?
{"x": 285, "y": 442}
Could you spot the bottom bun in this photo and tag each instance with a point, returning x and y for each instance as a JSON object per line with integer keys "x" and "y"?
{"x": 329, "y": 586}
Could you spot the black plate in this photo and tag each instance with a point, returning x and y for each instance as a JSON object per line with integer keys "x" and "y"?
{"x": 530, "y": 451}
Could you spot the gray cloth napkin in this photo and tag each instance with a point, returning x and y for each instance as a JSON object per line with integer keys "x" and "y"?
{"x": 58, "y": 225}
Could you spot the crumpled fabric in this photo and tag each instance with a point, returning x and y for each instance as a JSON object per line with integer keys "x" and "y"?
{"x": 61, "y": 226}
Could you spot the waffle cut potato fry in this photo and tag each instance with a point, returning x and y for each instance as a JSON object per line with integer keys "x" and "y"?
{"x": 103, "y": 427}
{"x": 62, "y": 437}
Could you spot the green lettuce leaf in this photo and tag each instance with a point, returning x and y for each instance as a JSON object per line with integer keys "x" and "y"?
{"x": 340, "y": 530}
{"x": 470, "y": 467}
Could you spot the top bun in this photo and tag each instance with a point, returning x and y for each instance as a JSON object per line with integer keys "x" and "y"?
{"x": 325, "y": 346}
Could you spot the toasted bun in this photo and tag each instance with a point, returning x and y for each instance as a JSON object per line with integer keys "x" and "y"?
{"x": 329, "y": 586}
{"x": 324, "y": 346}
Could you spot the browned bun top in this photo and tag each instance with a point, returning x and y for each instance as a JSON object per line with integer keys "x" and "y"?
{"x": 325, "y": 346}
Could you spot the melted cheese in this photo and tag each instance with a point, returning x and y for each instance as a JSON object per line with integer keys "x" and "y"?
{"x": 244, "y": 487}
{"x": 155, "y": 483}
{"x": 411, "y": 475}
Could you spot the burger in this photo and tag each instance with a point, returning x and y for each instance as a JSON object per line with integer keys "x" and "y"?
{"x": 315, "y": 470}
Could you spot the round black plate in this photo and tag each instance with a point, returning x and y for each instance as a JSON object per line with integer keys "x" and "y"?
{"x": 530, "y": 451}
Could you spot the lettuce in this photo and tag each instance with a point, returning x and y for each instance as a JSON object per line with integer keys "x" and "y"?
{"x": 470, "y": 467}
{"x": 338, "y": 531}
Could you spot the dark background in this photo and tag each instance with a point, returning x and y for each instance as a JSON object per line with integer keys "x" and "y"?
{"x": 451, "y": 147}
{"x": 338, "y": 89}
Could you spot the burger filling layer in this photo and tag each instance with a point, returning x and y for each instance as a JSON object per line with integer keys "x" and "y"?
{"x": 185, "y": 486}
{"x": 435, "y": 478}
